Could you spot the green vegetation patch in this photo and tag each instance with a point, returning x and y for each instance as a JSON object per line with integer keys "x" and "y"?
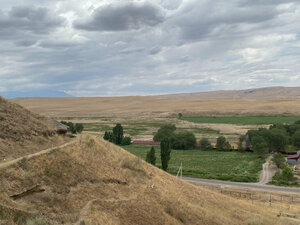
{"x": 244, "y": 120}
{"x": 233, "y": 166}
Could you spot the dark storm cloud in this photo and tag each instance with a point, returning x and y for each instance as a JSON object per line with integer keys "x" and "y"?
{"x": 122, "y": 16}
{"x": 26, "y": 18}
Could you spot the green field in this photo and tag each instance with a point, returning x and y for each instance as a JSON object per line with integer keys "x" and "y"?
{"x": 244, "y": 120}
{"x": 234, "y": 166}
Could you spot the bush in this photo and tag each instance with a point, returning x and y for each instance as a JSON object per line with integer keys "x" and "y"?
{"x": 205, "y": 144}
{"x": 150, "y": 158}
{"x": 166, "y": 131}
{"x": 285, "y": 178}
{"x": 126, "y": 141}
{"x": 78, "y": 127}
{"x": 183, "y": 140}
{"x": 73, "y": 128}
{"x": 222, "y": 144}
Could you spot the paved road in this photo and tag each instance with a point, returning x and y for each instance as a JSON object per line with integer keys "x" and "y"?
{"x": 11, "y": 162}
{"x": 200, "y": 181}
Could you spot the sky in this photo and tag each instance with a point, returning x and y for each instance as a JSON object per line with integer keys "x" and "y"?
{"x": 116, "y": 48}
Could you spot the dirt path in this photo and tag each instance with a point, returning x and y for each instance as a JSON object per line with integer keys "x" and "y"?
{"x": 11, "y": 162}
{"x": 269, "y": 169}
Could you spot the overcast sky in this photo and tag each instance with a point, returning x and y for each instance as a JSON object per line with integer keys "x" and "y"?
{"x": 109, "y": 48}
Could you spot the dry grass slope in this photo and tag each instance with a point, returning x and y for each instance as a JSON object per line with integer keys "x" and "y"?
{"x": 158, "y": 106}
{"x": 23, "y": 132}
{"x": 100, "y": 183}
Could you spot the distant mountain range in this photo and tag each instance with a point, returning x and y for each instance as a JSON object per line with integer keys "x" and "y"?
{"x": 30, "y": 94}
{"x": 257, "y": 93}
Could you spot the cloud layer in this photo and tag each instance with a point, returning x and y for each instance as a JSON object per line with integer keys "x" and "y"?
{"x": 90, "y": 48}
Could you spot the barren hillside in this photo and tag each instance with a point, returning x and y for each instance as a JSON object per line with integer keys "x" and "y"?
{"x": 22, "y": 131}
{"x": 99, "y": 183}
{"x": 158, "y": 106}
{"x": 254, "y": 93}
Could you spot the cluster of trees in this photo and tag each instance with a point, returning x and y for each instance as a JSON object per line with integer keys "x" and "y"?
{"x": 177, "y": 140}
{"x": 165, "y": 154}
{"x": 278, "y": 138}
{"x": 222, "y": 144}
{"x": 117, "y": 136}
{"x": 74, "y": 128}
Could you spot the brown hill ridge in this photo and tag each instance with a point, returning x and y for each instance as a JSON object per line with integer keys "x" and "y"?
{"x": 254, "y": 93}
{"x": 23, "y": 132}
{"x": 95, "y": 182}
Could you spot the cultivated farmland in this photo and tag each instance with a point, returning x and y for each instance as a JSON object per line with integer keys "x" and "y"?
{"x": 234, "y": 166}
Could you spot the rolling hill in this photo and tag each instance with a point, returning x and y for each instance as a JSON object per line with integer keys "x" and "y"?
{"x": 255, "y": 93}
{"x": 23, "y": 131}
{"x": 91, "y": 181}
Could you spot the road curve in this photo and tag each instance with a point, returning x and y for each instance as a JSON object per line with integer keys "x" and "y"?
{"x": 199, "y": 181}
{"x": 11, "y": 162}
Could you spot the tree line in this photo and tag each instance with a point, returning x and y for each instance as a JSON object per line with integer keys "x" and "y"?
{"x": 74, "y": 128}
{"x": 116, "y": 136}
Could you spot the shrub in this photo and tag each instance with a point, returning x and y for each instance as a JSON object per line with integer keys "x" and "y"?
{"x": 150, "y": 158}
{"x": 183, "y": 140}
{"x": 166, "y": 131}
{"x": 78, "y": 127}
{"x": 126, "y": 141}
{"x": 285, "y": 178}
{"x": 222, "y": 144}
{"x": 205, "y": 144}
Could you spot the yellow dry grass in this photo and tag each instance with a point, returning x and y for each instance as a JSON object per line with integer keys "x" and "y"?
{"x": 23, "y": 132}
{"x": 153, "y": 105}
{"x": 100, "y": 183}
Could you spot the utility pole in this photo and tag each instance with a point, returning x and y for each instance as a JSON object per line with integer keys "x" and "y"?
{"x": 179, "y": 171}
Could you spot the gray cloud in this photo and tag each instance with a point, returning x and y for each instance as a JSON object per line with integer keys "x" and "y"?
{"x": 122, "y": 16}
{"x": 26, "y": 18}
{"x": 165, "y": 45}
{"x": 200, "y": 19}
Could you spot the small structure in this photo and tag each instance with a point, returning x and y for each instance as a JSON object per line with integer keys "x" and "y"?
{"x": 55, "y": 125}
{"x": 294, "y": 159}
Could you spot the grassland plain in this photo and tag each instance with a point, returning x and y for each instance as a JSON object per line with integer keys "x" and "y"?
{"x": 233, "y": 166}
{"x": 244, "y": 120}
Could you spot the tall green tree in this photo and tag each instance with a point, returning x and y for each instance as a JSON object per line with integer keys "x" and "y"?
{"x": 165, "y": 153}
{"x": 118, "y": 134}
{"x": 260, "y": 146}
{"x": 151, "y": 158}
{"x": 296, "y": 139}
